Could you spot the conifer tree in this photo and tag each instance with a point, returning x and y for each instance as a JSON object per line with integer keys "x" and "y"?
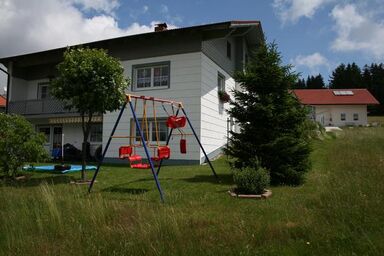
{"x": 271, "y": 120}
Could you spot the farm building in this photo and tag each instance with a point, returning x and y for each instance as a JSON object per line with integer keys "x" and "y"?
{"x": 337, "y": 107}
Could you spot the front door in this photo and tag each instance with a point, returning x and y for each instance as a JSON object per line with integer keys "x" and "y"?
{"x": 57, "y": 141}
{"x": 57, "y": 136}
{"x": 53, "y": 137}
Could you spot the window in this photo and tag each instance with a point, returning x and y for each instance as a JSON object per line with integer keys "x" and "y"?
{"x": 343, "y": 93}
{"x": 151, "y": 76}
{"x": 220, "y": 82}
{"x": 229, "y": 50}
{"x": 161, "y": 127}
{"x": 96, "y": 133}
{"x": 46, "y": 131}
{"x": 355, "y": 117}
{"x": 342, "y": 116}
{"x": 43, "y": 92}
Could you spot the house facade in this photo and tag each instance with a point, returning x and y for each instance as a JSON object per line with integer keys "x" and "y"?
{"x": 188, "y": 64}
{"x": 341, "y": 107}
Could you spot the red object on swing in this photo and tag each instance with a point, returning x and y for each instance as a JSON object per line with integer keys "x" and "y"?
{"x": 125, "y": 152}
{"x": 176, "y": 121}
{"x": 163, "y": 152}
{"x": 183, "y": 146}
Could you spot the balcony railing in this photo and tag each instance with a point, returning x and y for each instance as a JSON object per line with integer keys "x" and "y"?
{"x": 38, "y": 107}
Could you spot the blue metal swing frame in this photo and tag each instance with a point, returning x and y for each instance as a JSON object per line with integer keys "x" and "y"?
{"x": 138, "y": 127}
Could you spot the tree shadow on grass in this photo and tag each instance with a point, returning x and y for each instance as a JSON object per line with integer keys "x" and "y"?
{"x": 225, "y": 179}
{"x": 29, "y": 181}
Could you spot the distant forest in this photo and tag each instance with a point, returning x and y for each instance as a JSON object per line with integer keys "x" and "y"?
{"x": 351, "y": 76}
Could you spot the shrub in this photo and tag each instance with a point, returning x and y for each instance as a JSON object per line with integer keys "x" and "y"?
{"x": 251, "y": 180}
{"x": 19, "y": 143}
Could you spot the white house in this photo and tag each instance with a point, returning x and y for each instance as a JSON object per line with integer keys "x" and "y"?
{"x": 187, "y": 64}
{"x": 337, "y": 107}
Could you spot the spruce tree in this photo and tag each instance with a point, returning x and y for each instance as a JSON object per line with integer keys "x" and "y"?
{"x": 271, "y": 120}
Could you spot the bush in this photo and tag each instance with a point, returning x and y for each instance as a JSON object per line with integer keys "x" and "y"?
{"x": 19, "y": 143}
{"x": 251, "y": 180}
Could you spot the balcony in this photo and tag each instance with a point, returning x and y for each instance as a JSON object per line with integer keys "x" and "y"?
{"x": 38, "y": 107}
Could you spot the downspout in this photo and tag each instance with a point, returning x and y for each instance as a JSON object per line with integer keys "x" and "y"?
{"x": 8, "y": 83}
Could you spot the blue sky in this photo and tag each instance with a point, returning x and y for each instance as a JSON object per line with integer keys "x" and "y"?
{"x": 313, "y": 35}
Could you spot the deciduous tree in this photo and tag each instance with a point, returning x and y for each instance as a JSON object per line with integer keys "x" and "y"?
{"x": 92, "y": 82}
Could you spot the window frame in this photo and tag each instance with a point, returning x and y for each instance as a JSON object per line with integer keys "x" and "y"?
{"x": 220, "y": 86}
{"x": 41, "y": 85}
{"x": 93, "y": 129}
{"x": 355, "y": 116}
{"x": 152, "y": 66}
{"x": 341, "y": 116}
{"x": 46, "y": 135}
{"x": 151, "y": 121}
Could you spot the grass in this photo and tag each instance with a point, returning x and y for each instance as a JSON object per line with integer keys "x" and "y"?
{"x": 376, "y": 119}
{"x": 338, "y": 211}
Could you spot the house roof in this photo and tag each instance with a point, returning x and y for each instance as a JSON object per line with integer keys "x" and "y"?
{"x": 249, "y": 28}
{"x": 3, "y": 101}
{"x": 335, "y": 97}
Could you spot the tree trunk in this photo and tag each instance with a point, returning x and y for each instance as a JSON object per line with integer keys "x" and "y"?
{"x": 86, "y": 129}
{"x": 84, "y": 159}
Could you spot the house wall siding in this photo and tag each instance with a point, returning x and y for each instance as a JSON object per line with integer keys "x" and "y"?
{"x": 216, "y": 50}
{"x": 213, "y": 112}
{"x": 185, "y": 84}
{"x": 332, "y": 114}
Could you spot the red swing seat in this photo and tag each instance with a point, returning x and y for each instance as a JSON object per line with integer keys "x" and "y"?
{"x": 163, "y": 152}
{"x": 176, "y": 121}
{"x": 125, "y": 152}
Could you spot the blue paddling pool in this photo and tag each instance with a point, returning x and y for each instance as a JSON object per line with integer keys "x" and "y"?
{"x": 52, "y": 169}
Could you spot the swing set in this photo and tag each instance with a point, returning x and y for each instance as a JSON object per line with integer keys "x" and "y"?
{"x": 160, "y": 151}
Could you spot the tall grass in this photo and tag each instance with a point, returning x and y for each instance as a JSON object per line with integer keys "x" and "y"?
{"x": 337, "y": 212}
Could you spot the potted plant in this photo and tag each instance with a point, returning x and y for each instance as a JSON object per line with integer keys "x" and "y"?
{"x": 224, "y": 96}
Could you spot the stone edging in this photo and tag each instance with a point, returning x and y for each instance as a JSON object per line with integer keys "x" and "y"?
{"x": 265, "y": 195}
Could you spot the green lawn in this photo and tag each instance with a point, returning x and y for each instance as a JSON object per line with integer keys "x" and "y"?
{"x": 376, "y": 119}
{"x": 339, "y": 210}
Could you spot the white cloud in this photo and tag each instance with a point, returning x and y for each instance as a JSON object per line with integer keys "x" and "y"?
{"x": 357, "y": 31}
{"x": 293, "y": 10}
{"x": 27, "y": 27}
{"x": 107, "y": 6}
{"x": 313, "y": 62}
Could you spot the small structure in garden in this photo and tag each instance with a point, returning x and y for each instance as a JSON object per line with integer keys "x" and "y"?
{"x": 163, "y": 151}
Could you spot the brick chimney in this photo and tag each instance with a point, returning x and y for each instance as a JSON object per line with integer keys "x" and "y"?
{"x": 161, "y": 27}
